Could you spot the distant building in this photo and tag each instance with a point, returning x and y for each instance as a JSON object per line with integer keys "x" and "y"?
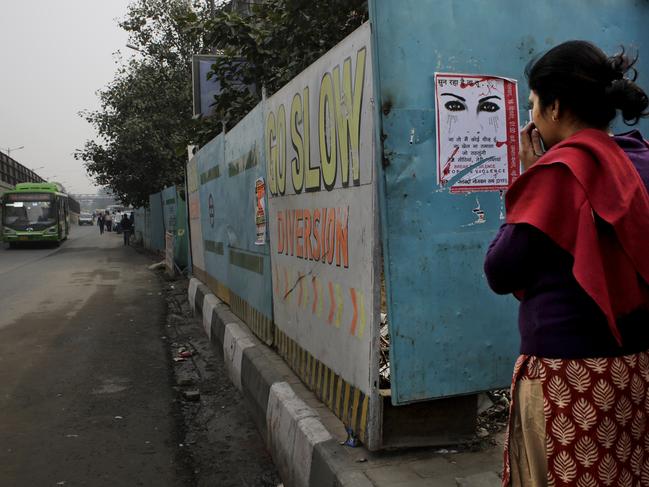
{"x": 12, "y": 173}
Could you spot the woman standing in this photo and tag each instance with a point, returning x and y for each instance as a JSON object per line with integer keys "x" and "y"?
{"x": 574, "y": 252}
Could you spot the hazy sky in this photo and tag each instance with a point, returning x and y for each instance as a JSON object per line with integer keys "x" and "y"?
{"x": 54, "y": 56}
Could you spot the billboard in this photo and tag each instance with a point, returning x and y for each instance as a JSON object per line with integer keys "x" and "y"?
{"x": 204, "y": 89}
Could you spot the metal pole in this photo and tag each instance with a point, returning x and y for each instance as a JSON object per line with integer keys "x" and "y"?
{"x": 9, "y": 150}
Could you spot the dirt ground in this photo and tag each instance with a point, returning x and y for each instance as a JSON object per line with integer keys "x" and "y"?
{"x": 220, "y": 439}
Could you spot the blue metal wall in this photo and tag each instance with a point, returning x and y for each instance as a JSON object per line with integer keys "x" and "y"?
{"x": 227, "y": 169}
{"x": 156, "y": 222}
{"x": 449, "y": 334}
{"x": 169, "y": 208}
{"x": 142, "y": 227}
{"x": 211, "y": 169}
{"x": 181, "y": 244}
{"x": 249, "y": 273}
{"x": 174, "y": 211}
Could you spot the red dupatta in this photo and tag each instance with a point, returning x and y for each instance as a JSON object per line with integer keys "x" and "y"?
{"x": 585, "y": 175}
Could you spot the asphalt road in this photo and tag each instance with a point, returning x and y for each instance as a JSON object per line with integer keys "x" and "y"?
{"x": 85, "y": 392}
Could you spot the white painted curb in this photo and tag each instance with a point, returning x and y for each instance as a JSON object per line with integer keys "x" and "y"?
{"x": 235, "y": 341}
{"x": 193, "y": 286}
{"x": 293, "y": 431}
{"x": 209, "y": 303}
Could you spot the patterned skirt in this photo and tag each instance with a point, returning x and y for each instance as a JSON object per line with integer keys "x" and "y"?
{"x": 595, "y": 416}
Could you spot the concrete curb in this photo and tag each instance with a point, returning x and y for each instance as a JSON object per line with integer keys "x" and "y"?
{"x": 304, "y": 451}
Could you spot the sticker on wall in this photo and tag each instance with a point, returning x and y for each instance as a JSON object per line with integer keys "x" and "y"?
{"x": 477, "y": 132}
{"x": 260, "y": 211}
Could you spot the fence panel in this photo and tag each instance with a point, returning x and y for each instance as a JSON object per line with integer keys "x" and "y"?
{"x": 249, "y": 276}
{"x": 319, "y": 158}
{"x": 449, "y": 333}
{"x": 156, "y": 223}
{"x": 211, "y": 168}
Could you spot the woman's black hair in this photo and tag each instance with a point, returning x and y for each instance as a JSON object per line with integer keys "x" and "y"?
{"x": 587, "y": 82}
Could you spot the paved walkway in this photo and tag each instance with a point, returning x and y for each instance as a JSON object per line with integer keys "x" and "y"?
{"x": 306, "y": 439}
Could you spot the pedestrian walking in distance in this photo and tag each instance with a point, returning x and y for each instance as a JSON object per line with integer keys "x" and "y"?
{"x": 108, "y": 219}
{"x": 100, "y": 223}
{"x": 125, "y": 224}
{"x": 574, "y": 252}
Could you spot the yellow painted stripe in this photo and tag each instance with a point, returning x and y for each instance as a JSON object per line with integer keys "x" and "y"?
{"x": 325, "y": 385}
{"x": 319, "y": 378}
{"x": 300, "y": 370}
{"x": 296, "y": 356}
{"x": 338, "y": 396}
{"x": 313, "y": 371}
{"x": 330, "y": 401}
{"x": 363, "y": 425}
{"x": 355, "y": 401}
{"x": 346, "y": 403}
{"x": 309, "y": 364}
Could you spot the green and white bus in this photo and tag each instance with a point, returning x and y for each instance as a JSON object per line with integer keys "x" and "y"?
{"x": 34, "y": 212}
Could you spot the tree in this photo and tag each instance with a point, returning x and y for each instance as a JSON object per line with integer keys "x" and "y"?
{"x": 269, "y": 46}
{"x": 145, "y": 118}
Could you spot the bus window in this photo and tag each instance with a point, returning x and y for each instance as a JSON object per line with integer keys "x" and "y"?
{"x": 20, "y": 215}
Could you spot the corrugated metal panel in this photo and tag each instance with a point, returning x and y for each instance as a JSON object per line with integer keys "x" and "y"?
{"x": 449, "y": 334}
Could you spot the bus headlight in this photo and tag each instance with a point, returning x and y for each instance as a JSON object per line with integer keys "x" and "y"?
{"x": 8, "y": 230}
{"x": 51, "y": 230}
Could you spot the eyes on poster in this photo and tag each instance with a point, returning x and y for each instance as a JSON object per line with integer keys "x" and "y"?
{"x": 477, "y": 132}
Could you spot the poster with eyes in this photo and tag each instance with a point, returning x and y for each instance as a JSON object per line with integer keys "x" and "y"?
{"x": 477, "y": 132}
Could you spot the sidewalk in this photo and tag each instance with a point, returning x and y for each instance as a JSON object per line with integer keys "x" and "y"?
{"x": 306, "y": 439}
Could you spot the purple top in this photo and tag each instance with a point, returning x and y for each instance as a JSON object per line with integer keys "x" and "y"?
{"x": 557, "y": 319}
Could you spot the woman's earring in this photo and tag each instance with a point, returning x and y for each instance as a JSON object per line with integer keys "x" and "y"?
{"x": 555, "y": 118}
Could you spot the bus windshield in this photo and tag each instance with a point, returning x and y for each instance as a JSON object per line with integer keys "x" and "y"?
{"x": 23, "y": 212}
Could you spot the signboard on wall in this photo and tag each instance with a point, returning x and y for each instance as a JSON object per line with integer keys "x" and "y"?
{"x": 322, "y": 214}
{"x": 205, "y": 89}
{"x": 477, "y": 132}
{"x": 260, "y": 211}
